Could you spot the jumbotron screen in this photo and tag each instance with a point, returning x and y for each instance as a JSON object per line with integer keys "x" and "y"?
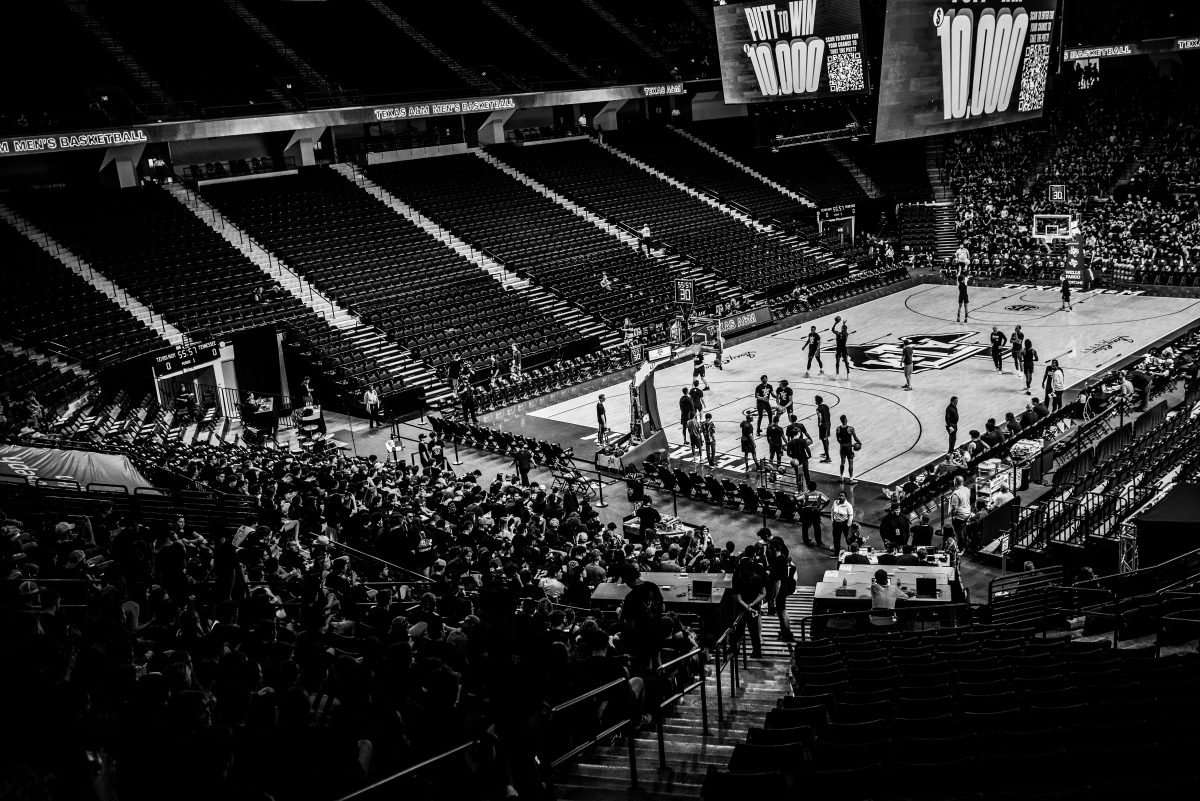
{"x": 955, "y": 65}
{"x": 795, "y": 50}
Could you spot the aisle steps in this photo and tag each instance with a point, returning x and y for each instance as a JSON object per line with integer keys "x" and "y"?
{"x": 602, "y": 773}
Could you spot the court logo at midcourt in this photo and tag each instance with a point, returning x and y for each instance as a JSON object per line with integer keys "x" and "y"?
{"x": 930, "y": 352}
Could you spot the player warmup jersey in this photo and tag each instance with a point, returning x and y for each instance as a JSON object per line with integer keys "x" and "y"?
{"x": 763, "y": 393}
{"x": 840, "y": 336}
{"x": 814, "y": 341}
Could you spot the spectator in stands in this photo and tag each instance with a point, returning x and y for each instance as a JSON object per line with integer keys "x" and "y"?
{"x": 749, "y": 589}
{"x": 1000, "y": 497}
{"x": 644, "y": 239}
{"x": 641, "y": 621}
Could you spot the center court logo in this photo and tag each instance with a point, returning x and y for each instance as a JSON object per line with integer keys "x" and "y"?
{"x": 930, "y": 352}
{"x": 1022, "y": 308}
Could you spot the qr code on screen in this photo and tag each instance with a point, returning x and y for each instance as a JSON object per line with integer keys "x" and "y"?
{"x": 845, "y": 72}
{"x": 1033, "y": 79}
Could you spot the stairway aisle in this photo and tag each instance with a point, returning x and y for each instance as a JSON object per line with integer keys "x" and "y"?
{"x": 603, "y": 772}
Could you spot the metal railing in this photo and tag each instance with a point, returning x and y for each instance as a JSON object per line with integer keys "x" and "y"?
{"x": 1075, "y": 607}
{"x": 663, "y": 673}
{"x": 394, "y": 779}
{"x": 627, "y": 725}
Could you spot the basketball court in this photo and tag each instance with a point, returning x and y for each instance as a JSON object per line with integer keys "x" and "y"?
{"x": 901, "y": 430}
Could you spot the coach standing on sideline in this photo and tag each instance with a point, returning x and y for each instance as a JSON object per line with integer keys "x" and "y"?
{"x": 999, "y": 340}
{"x": 842, "y": 514}
{"x": 952, "y": 423}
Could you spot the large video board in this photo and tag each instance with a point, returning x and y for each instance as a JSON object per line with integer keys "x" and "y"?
{"x": 955, "y": 65}
{"x": 795, "y": 50}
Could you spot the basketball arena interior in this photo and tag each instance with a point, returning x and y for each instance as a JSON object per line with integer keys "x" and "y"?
{"x": 600, "y": 399}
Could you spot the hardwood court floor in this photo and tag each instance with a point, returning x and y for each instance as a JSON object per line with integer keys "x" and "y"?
{"x": 902, "y": 431}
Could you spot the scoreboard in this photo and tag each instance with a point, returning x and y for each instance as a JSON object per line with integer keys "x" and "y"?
{"x": 957, "y": 65}
{"x": 790, "y": 50}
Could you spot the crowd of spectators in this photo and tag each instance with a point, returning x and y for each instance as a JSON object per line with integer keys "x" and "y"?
{"x": 1002, "y": 177}
{"x": 366, "y": 615}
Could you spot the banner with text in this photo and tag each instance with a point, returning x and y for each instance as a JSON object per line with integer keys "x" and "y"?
{"x": 793, "y": 50}
{"x": 953, "y": 66}
{"x": 1170, "y": 44}
{"x": 50, "y": 465}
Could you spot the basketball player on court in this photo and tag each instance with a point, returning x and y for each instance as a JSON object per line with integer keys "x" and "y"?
{"x": 720, "y": 349}
{"x": 783, "y": 396}
{"x": 698, "y": 367}
{"x": 999, "y": 340}
{"x": 1017, "y": 341}
{"x": 906, "y": 361}
{"x": 823, "y": 425}
{"x": 749, "y": 453}
{"x": 1066, "y": 294}
{"x": 963, "y": 278}
{"x": 813, "y": 343}
{"x": 840, "y": 335}
{"x": 848, "y": 443}
{"x": 763, "y": 394}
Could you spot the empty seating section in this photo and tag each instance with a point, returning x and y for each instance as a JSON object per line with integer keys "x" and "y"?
{"x": 20, "y": 375}
{"x": 386, "y": 269}
{"x": 155, "y": 249}
{"x": 971, "y": 713}
{"x": 356, "y": 48}
{"x": 702, "y": 169}
{"x": 184, "y": 60}
{"x": 897, "y": 168}
{"x": 46, "y": 87}
{"x": 533, "y": 235}
{"x": 674, "y": 30}
{"x": 587, "y": 40}
{"x": 807, "y": 169}
{"x": 484, "y": 43}
{"x": 46, "y": 302}
{"x": 624, "y": 193}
